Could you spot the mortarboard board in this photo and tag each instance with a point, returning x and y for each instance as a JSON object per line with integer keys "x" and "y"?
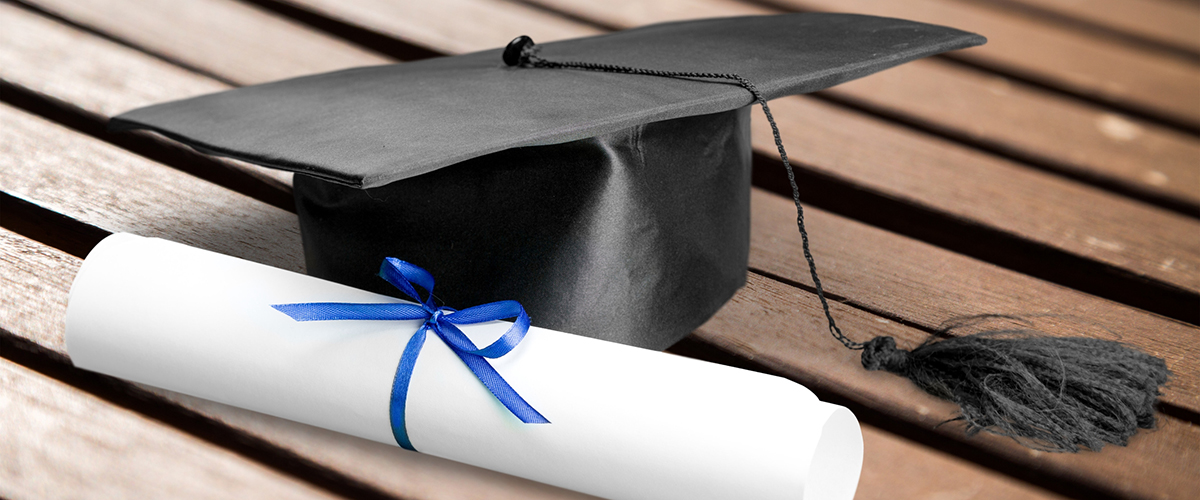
{"x": 610, "y": 205}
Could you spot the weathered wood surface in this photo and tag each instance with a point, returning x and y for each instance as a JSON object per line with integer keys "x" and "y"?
{"x": 1022, "y": 120}
{"x": 51, "y": 58}
{"x": 948, "y": 305}
{"x": 440, "y": 25}
{"x": 81, "y": 177}
{"x": 1171, "y": 23}
{"x": 60, "y": 442}
{"x": 883, "y": 275}
{"x": 88, "y": 180}
{"x": 922, "y": 171}
{"x": 217, "y": 37}
{"x": 98, "y": 78}
{"x": 1159, "y": 84}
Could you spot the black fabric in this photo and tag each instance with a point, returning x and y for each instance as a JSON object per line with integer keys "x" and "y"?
{"x": 636, "y": 236}
{"x": 367, "y": 127}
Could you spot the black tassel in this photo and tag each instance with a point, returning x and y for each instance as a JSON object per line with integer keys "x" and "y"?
{"x": 1048, "y": 393}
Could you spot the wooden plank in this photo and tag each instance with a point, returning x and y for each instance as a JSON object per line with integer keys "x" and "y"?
{"x": 1116, "y": 151}
{"x": 1003, "y": 115}
{"x": 1167, "y": 22}
{"x": 1156, "y": 83}
{"x": 1036, "y": 206}
{"x": 897, "y": 163}
{"x": 60, "y": 442}
{"x": 83, "y": 158}
{"x": 80, "y": 68}
{"x": 38, "y": 278}
{"x": 268, "y": 47}
{"x": 34, "y": 167}
{"x": 892, "y": 471}
{"x": 98, "y": 76}
{"x": 427, "y": 24}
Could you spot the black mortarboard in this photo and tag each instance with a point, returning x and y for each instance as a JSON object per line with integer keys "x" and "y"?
{"x": 610, "y": 205}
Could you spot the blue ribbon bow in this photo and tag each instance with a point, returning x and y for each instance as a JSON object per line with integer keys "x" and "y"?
{"x": 443, "y": 322}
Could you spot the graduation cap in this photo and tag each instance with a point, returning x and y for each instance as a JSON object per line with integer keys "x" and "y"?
{"x": 602, "y": 182}
{"x": 610, "y": 205}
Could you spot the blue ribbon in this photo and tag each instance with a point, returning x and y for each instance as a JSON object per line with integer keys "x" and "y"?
{"x": 442, "y": 321}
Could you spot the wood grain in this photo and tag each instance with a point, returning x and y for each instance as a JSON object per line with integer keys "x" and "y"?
{"x": 78, "y": 67}
{"x": 98, "y": 76}
{"x": 1156, "y": 83}
{"x": 218, "y": 36}
{"x": 89, "y": 180}
{"x": 106, "y": 201}
{"x": 1168, "y": 22}
{"x": 1099, "y": 145}
{"x": 1003, "y": 115}
{"x": 442, "y": 25}
{"x": 891, "y": 471}
{"x": 924, "y": 171}
{"x": 60, "y": 442}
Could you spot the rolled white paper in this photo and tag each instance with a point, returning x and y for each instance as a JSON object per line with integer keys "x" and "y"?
{"x": 627, "y": 423}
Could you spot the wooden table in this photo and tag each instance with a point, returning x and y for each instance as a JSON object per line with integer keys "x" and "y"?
{"x": 1052, "y": 174}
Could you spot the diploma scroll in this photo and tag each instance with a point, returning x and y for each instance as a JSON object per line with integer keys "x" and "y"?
{"x": 627, "y": 423}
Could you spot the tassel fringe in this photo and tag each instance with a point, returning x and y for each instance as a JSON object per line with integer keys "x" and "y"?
{"x": 1048, "y": 393}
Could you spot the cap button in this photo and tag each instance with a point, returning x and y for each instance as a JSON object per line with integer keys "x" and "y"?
{"x": 512, "y": 53}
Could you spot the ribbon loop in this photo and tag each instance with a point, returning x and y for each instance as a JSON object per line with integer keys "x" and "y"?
{"x": 442, "y": 321}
